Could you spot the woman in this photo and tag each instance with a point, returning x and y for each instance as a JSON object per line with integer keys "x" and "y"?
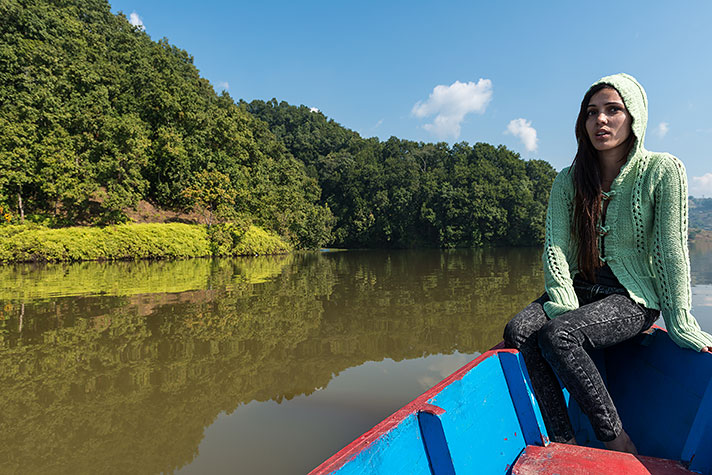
{"x": 615, "y": 257}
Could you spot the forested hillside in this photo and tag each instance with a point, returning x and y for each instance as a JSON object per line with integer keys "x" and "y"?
{"x": 96, "y": 116}
{"x": 403, "y": 193}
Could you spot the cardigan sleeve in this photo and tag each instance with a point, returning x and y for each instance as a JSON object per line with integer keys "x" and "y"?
{"x": 558, "y": 247}
{"x": 670, "y": 256}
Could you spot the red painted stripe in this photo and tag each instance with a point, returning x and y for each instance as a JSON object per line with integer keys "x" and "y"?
{"x": 577, "y": 460}
{"x": 432, "y": 409}
{"x": 349, "y": 452}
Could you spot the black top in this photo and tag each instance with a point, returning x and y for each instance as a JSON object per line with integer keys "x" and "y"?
{"x": 604, "y": 276}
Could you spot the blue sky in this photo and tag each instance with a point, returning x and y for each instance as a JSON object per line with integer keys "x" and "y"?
{"x": 509, "y": 73}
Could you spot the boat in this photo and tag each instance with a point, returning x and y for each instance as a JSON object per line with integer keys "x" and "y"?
{"x": 484, "y": 419}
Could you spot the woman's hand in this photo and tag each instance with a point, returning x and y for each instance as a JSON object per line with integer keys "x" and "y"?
{"x": 706, "y": 349}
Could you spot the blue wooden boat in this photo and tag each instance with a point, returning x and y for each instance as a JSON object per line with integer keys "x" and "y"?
{"x": 483, "y": 419}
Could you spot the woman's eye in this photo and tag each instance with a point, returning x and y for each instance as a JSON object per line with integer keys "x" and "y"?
{"x": 591, "y": 113}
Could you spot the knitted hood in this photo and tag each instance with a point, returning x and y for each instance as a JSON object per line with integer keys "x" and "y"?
{"x": 635, "y": 100}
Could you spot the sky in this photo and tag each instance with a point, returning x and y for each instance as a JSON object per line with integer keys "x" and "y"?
{"x": 501, "y": 72}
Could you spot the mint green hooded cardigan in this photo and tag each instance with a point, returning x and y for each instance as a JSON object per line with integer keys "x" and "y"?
{"x": 645, "y": 228}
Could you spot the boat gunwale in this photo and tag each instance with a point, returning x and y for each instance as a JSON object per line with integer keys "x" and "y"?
{"x": 420, "y": 403}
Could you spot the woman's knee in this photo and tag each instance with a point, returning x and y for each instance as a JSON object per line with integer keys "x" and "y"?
{"x": 512, "y": 334}
{"x": 523, "y": 326}
{"x": 556, "y": 336}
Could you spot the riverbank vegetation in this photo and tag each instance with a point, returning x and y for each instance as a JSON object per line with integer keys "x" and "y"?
{"x": 34, "y": 243}
{"x": 96, "y": 118}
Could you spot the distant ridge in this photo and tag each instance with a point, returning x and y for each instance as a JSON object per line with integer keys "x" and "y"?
{"x": 700, "y": 213}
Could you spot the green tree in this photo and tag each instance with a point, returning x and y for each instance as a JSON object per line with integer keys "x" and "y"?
{"x": 213, "y": 195}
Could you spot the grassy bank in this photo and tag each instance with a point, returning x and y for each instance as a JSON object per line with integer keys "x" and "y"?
{"x": 32, "y": 243}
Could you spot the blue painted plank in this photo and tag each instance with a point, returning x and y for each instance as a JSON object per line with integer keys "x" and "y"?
{"x": 702, "y": 462}
{"x": 659, "y": 351}
{"x": 698, "y": 448}
{"x": 657, "y": 389}
{"x": 525, "y": 404}
{"x": 399, "y": 451}
{"x": 435, "y": 444}
{"x": 480, "y": 423}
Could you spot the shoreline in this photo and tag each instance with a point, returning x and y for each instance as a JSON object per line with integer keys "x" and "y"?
{"x": 32, "y": 243}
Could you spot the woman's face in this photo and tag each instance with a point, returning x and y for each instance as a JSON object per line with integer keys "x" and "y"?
{"x": 608, "y": 122}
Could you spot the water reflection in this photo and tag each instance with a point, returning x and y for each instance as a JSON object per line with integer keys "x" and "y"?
{"x": 701, "y": 264}
{"x": 43, "y": 281}
{"x": 701, "y": 270}
{"x": 121, "y": 367}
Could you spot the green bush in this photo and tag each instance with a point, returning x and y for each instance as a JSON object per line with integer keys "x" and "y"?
{"x": 34, "y": 243}
{"x": 224, "y": 236}
{"x": 258, "y": 241}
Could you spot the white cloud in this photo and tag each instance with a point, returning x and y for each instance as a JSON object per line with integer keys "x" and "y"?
{"x": 314, "y": 109}
{"x": 378, "y": 124}
{"x": 450, "y": 104}
{"x": 136, "y": 21}
{"x": 701, "y": 186}
{"x": 662, "y": 129}
{"x": 523, "y": 129}
{"x": 223, "y": 85}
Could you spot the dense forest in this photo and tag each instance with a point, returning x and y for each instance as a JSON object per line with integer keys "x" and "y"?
{"x": 95, "y": 117}
{"x": 404, "y": 194}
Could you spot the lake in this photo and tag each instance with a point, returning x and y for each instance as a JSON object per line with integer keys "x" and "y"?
{"x": 263, "y": 365}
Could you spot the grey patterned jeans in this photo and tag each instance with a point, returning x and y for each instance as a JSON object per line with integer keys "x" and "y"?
{"x": 563, "y": 344}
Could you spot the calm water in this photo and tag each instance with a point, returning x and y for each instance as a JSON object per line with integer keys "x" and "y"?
{"x": 260, "y": 366}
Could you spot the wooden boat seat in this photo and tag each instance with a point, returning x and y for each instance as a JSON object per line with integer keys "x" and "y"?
{"x": 575, "y": 460}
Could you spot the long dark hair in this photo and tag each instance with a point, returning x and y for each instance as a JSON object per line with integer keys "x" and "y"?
{"x": 587, "y": 182}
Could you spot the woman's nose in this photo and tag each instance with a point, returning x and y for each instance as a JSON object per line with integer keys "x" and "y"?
{"x": 601, "y": 118}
